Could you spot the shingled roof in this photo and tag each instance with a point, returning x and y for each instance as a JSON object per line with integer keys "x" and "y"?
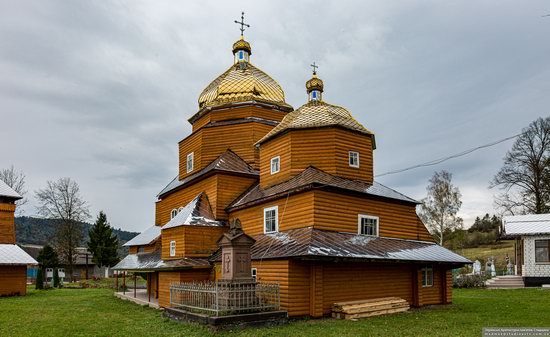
{"x": 196, "y": 213}
{"x": 316, "y": 114}
{"x": 315, "y": 243}
{"x": 310, "y": 178}
{"x": 228, "y": 161}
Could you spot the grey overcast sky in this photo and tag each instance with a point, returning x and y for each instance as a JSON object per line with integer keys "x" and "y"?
{"x": 100, "y": 91}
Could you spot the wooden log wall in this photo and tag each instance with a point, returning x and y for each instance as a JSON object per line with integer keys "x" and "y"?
{"x": 396, "y": 219}
{"x": 238, "y": 113}
{"x": 173, "y": 234}
{"x": 146, "y": 248}
{"x": 325, "y": 148}
{"x": 294, "y": 212}
{"x": 200, "y": 241}
{"x": 167, "y": 277}
{"x": 13, "y": 280}
{"x": 7, "y": 224}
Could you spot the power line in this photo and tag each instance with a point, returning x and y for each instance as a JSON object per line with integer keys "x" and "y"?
{"x": 441, "y": 160}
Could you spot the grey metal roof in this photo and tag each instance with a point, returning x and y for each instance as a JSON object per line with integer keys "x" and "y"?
{"x": 228, "y": 161}
{"x": 313, "y": 176}
{"x": 530, "y": 224}
{"x": 146, "y": 237}
{"x": 6, "y": 191}
{"x": 196, "y": 213}
{"x": 153, "y": 261}
{"x": 315, "y": 243}
{"x": 14, "y": 255}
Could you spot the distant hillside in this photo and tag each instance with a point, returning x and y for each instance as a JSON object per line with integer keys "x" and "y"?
{"x": 40, "y": 231}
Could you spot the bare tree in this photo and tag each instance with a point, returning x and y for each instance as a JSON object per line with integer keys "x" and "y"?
{"x": 438, "y": 210}
{"x": 15, "y": 180}
{"x": 61, "y": 200}
{"x": 525, "y": 176}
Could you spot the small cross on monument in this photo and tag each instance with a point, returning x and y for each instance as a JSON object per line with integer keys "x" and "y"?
{"x": 314, "y": 66}
{"x": 242, "y": 24}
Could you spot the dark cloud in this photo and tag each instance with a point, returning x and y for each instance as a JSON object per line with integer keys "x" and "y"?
{"x": 101, "y": 91}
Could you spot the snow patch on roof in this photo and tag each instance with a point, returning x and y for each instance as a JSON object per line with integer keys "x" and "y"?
{"x": 530, "y": 224}
{"x": 14, "y": 255}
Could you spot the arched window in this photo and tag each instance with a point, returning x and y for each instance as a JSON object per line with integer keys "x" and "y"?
{"x": 173, "y": 213}
{"x": 180, "y": 209}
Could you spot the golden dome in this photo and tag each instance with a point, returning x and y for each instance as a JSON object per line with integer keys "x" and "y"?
{"x": 314, "y": 83}
{"x": 315, "y": 114}
{"x": 240, "y": 83}
{"x": 241, "y": 44}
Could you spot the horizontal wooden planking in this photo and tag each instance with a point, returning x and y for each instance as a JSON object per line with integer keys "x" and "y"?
{"x": 168, "y": 277}
{"x": 299, "y": 282}
{"x": 182, "y": 197}
{"x": 228, "y": 189}
{"x": 173, "y": 234}
{"x": 432, "y": 294}
{"x": 339, "y": 212}
{"x": 7, "y": 224}
{"x": 13, "y": 280}
{"x": 238, "y": 113}
{"x": 279, "y": 146}
{"x": 193, "y": 143}
{"x": 146, "y": 248}
{"x": 354, "y": 281}
{"x": 275, "y": 271}
{"x": 346, "y": 141}
{"x": 200, "y": 241}
{"x": 313, "y": 147}
{"x": 296, "y": 211}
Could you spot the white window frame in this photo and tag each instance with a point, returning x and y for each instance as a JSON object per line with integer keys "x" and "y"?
{"x": 425, "y": 283}
{"x": 254, "y": 273}
{"x": 278, "y": 159}
{"x": 349, "y": 159}
{"x": 365, "y": 216}
{"x": 190, "y": 160}
{"x": 173, "y": 213}
{"x": 173, "y": 248}
{"x": 268, "y": 209}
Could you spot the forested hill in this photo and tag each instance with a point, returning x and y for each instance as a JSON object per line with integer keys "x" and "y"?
{"x": 40, "y": 231}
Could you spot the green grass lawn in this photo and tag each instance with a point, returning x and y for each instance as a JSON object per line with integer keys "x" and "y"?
{"x": 96, "y": 312}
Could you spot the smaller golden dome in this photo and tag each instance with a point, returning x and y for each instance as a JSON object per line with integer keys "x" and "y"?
{"x": 241, "y": 44}
{"x": 314, "y": 83}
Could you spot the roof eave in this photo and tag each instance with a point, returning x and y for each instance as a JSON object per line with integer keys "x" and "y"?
{"x": 272, "y": 105}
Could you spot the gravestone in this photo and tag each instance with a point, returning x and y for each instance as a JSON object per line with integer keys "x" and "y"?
{"x": 236, "y": 257}
{"x": 476, "y": 267}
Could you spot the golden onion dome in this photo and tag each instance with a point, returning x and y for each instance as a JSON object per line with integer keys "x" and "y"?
{"x": 314, "y": 83}
{"x": 315, "y": 114}
{"x": 241, "y": 44}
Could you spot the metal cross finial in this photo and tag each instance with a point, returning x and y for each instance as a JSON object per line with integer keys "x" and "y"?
{"x": 314, "y": 66}
{"x": 242, "y": 24}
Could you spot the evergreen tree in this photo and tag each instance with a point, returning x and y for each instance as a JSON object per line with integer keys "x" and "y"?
{"x": 55, "y": 278}
{"x": 103, "y": 243}
{"x": 40, "y": 279}
{"x": 47, "y": 257}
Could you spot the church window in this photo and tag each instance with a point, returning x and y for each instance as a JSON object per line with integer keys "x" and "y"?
{"x": 241, "y": 55}
{"x": 173, "y": 248}
{"x": 368, "y": 225}
{"x": 542, "y": 250}
{"x": 427, "y": 276}
{"x": 314, "y": 95}
{"x": 254, "y": 273}
{"x": 271, "y": 219}
{"x": 275, "y": 164}
{"x": 190, "y": 162}
{"x": 353, "y": 159}
{"x": 173, "y": 213}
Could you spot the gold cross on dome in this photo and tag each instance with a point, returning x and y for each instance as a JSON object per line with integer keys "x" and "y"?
{"x": 314, "y": 66}
{"x": 242, "y": 24}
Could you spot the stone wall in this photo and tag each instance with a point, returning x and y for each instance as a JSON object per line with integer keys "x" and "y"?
{"x": 530, "y": 268}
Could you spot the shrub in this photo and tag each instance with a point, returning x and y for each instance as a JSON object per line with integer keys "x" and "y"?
{"x": 469, "y": 281}
{"x": 40, "y": 279}
{"x": 55, "y": 278}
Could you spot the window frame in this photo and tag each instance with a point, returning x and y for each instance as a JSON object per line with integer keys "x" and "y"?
{"x": 173, "y": 213}
{"x": 360, "y": 226}
{"x": 172, "y": 248}
{"x": 192, "y": 161}
{"x": 254, "y": 273}
{"x": 358, "y": 159}
{"x": 547, "y": 251}
{"x": 278, "y": 159}
{"x": 141, "y": 249}
{"x": 424, "y": 270}
{"x": 268, "y": 209}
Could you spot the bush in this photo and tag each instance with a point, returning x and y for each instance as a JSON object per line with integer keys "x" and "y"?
{"x": 40, "y": 279}
{"x": 469, "y": 281}
{"x": 55, "y": 278}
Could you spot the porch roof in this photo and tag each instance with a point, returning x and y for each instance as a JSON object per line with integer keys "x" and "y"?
{"x": 12, "y": 255}
{"x": 530, "y": 224}
{"x": 148, "y": 262}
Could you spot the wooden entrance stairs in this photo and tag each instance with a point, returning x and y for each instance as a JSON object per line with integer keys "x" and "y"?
{"x": 369, "y": 308}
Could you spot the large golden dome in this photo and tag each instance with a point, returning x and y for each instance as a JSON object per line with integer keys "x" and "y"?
{"x": 242, "y": 82}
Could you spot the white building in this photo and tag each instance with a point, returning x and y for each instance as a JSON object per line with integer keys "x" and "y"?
{"x": 532, "y": 246}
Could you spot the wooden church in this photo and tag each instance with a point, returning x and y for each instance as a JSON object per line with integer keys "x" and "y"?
{"x": 301, "y": 184}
